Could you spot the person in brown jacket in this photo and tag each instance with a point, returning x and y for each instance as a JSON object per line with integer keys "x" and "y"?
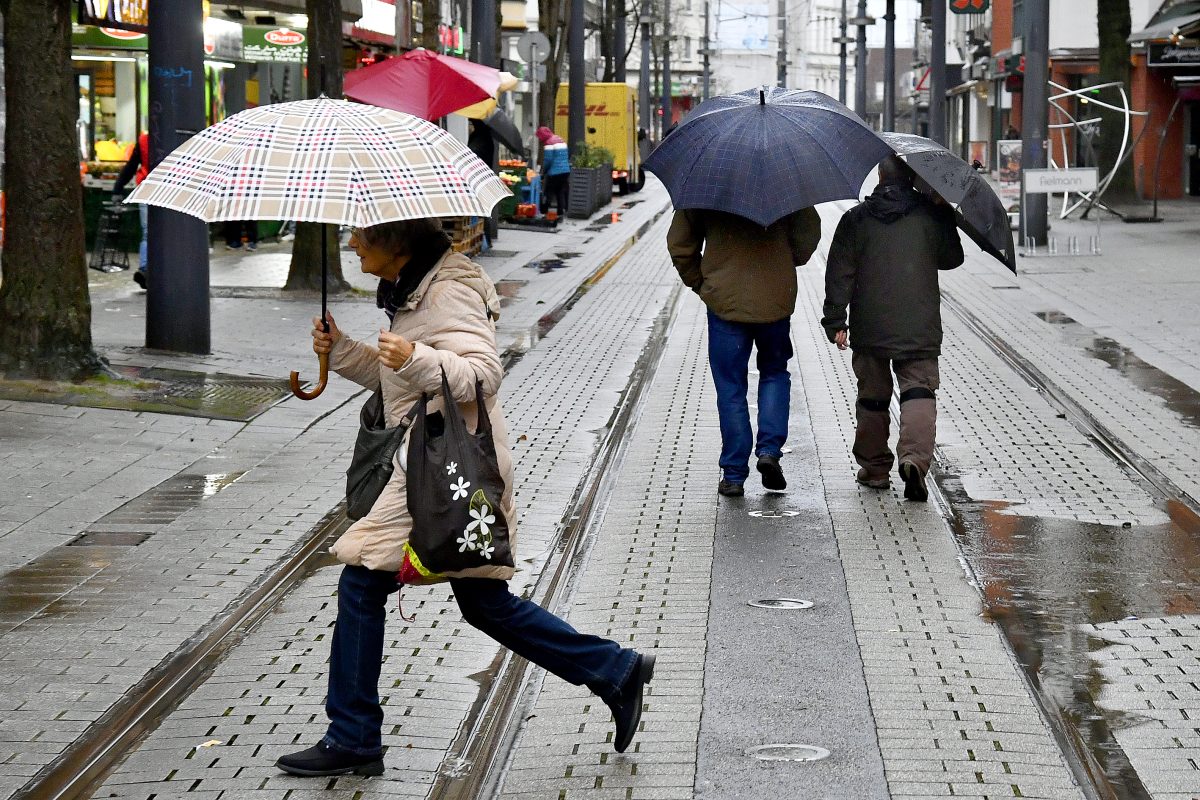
{"x": 442, "y": 309}
{"x": 746, "y": 276}
{"x": 883, "y": 263}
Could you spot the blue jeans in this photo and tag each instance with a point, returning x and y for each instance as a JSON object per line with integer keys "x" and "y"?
{"x": 144, "y": 216}
{"x": 729, "y": 357}
{"x": 524, "y": 627}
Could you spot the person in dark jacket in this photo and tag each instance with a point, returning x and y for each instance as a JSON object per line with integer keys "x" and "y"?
{"x": 883, "y": 263}
{"x": 746, "y": 275}
{"x": 556, "y": 170}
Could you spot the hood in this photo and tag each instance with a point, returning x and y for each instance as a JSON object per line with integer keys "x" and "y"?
{"x": 891, "y": 201}
{"x": 457, "y": 267}
{"x": 547, "y": 136}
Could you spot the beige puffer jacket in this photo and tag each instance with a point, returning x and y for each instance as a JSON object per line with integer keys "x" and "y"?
{"x": 450, "y": 319}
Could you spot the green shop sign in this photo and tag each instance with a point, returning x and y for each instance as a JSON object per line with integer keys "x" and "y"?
{"x": 264, "y": 43}
{"x": 88, "y": 36}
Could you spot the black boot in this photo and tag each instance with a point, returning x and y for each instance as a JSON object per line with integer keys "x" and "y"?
{"x": 627, "y": 707}
{"x": 321, "y": 760}
{"x": 772, "y": 475}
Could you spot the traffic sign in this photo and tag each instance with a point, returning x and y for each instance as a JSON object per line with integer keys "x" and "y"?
{"x": 534, "y": 47}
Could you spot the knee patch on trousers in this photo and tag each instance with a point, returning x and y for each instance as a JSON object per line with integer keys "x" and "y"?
{"x": 878, "y": 406}
{"x": 917, "y": 393}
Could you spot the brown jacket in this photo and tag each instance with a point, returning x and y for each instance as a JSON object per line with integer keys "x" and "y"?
{"x": 742, "y": 271}
{"x": 449, "y": 318}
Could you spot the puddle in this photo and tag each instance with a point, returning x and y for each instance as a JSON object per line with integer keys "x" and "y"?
{"x": 1179, "y": 397}
{"x": 1044, "y": 579}
{"x": 508, "y": 290}
{"x": 603, "y": 222}
{"x": 545, "y": 265}
{"x": 567, "y": 255}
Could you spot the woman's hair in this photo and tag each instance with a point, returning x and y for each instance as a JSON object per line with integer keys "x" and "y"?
{"x": 409, "y": 237}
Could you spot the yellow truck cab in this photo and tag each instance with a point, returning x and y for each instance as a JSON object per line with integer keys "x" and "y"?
{"x": 611, "y": 120}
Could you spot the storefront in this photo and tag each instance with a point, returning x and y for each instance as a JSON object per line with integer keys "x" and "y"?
{"x": 1166, "y": 82}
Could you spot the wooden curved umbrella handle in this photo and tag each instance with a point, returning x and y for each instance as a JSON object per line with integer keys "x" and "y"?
{"x": 323, "y": 361}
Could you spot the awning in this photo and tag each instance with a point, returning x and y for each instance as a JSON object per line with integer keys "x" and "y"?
{"x": 1165, "y": 28}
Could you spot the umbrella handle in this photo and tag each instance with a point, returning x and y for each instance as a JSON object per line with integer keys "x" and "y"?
{"x": 323, "y": 381}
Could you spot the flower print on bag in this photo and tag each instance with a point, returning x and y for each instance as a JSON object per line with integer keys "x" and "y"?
{"x": 460, "y": 489}
{"x": 468, "y": 541}
{"x": 481, "y": 518}
{"x": 452, "y": 468}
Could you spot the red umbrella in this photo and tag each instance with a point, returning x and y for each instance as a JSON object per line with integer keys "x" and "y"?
{"x": 423, "y": 83}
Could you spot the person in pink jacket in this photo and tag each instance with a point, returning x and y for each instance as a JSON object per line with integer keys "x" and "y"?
{"x": 441, "y": 309}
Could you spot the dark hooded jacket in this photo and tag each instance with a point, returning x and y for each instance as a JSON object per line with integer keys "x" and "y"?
{"x": 883, "y": 263}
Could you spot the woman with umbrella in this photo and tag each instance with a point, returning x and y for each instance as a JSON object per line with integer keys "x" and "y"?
{"x": 400, "y": 174}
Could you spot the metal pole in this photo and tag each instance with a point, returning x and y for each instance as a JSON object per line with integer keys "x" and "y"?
{"x": 937, "y": 75}
{"x": 707, "y": 77}
{"x": 644, "y": 78}
{"x": 916, "y": 95}
{"x": 889, "y": 67}
{"x": 667, "y": 109}
{"x": 177, "y": 308}
{"x": 576, "y": 134}
{"x": 860, "y": 62}
{"x": 483, "y": 31}
{"x": 1034, "y": 113}
{"x": 842, "y": 58}
{"x": 619, "y": 41}
{"x": 781, "y": 68}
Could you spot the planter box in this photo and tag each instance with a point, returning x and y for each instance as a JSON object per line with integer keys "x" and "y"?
{"x": 590, "y": 189}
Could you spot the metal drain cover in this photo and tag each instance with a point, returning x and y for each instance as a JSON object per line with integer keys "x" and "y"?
{"x": 773, "y": 514}
{"x": 788, "y": 752}
{"x": 782, "y": 603}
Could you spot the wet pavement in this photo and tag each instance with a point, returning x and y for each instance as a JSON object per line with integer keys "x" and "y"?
{"x": 1030, "y": 633}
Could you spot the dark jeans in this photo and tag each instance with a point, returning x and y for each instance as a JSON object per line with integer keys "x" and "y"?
{"x": 355, "y": 661}
{"x": 729, "y": 358}
{"x": 555, "y": 187}
{"x": 234, "y": 230}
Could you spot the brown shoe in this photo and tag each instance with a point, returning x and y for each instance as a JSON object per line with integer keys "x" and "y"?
{"x": 873, "y": 481}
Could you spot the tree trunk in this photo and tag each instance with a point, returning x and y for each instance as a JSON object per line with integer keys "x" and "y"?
{"x": 44, "y": 305}
{"x": 324, "y": 65}
{"x": 431, "y": 18}
{"x": 552, "y": 17}
{"x": 1112, "y": 22}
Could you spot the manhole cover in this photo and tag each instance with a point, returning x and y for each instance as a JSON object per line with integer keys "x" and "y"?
{"x": 788, "y": 752}
{"x": 782, "y": 603}
{"x": 773, "y": 514}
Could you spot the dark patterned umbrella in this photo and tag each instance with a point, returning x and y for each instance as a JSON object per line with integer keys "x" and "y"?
{"x": 765, "y": 153}
{"x": 981, "y": 214}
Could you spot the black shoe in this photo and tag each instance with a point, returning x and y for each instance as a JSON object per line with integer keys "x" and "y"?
{"x": 772, "y": 475}
{"x": 627, "y": 708}
{"x": 729, "y": 489}
{"x": 139, "y": 278}
{"x": 321, "y": 759}
{"x": 914, "y": 483}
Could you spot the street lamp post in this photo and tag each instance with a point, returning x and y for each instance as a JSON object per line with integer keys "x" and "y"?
{"x": 937, "y": 75}
{"x": 860, "y": 62}
{"x": 889, "y": 67}
{"x": 576, "y": 133}
{"x": 644, "y": 75}
{"x": 666, "y": 68}
{"x": 619, "y": 41}
{"x": 483, "y": 31}
{"x": 842, "y": 40}
{"x": 1034, "y": 114}
{"x": 177, "y": 308}
{"x": 707, "y": 45}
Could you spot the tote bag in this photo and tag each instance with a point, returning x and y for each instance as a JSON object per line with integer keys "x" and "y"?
{"x": 374, "y": 450}
{"x": 454, "y": 493}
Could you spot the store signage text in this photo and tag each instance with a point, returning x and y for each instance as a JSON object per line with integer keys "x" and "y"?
{"x": 128, "y": 15}
{"x": 1169, "y": 55}
{"x": 451, "y": 38}
{"x": 273, "y": 44}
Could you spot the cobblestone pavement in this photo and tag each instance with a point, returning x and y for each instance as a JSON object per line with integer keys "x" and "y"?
{"x": 80, "y": 626}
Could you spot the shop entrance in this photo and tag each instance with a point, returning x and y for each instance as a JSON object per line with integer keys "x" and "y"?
{"x": 85, "y": 124}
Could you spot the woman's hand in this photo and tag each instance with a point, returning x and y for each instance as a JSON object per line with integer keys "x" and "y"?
{"x": 394, "y": 349}
{"x": 323, "y": 342}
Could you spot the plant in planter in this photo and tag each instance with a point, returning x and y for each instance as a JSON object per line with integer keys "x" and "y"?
{"x": 591, "y": 179}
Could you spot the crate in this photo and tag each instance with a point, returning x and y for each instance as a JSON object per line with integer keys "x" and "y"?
{"x": 466, "y": 234}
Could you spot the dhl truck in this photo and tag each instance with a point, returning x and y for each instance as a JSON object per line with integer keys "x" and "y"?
{"x": 611, "y": 120}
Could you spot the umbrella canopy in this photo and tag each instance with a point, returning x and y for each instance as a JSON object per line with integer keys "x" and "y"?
{"x": 322, "y": 161}
{"x": 480, "y": 110}
{"x": 505, "y": 131}
{"x": 423, "y": 83}
{"x": 981, "y": 213}
{"x": 764, "y": 154}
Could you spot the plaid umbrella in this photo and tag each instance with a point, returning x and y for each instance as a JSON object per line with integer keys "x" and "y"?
{"x": 981, "y": 213}
{"x": 322, "y": 161}
{"x": 764, "y": 154}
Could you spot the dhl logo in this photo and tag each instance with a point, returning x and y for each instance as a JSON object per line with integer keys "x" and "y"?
{"x": 600, "y": 110}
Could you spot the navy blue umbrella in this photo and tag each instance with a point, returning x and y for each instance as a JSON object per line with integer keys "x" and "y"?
{"x": 766, "y": 153}
{"x": 981, "y": 214}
